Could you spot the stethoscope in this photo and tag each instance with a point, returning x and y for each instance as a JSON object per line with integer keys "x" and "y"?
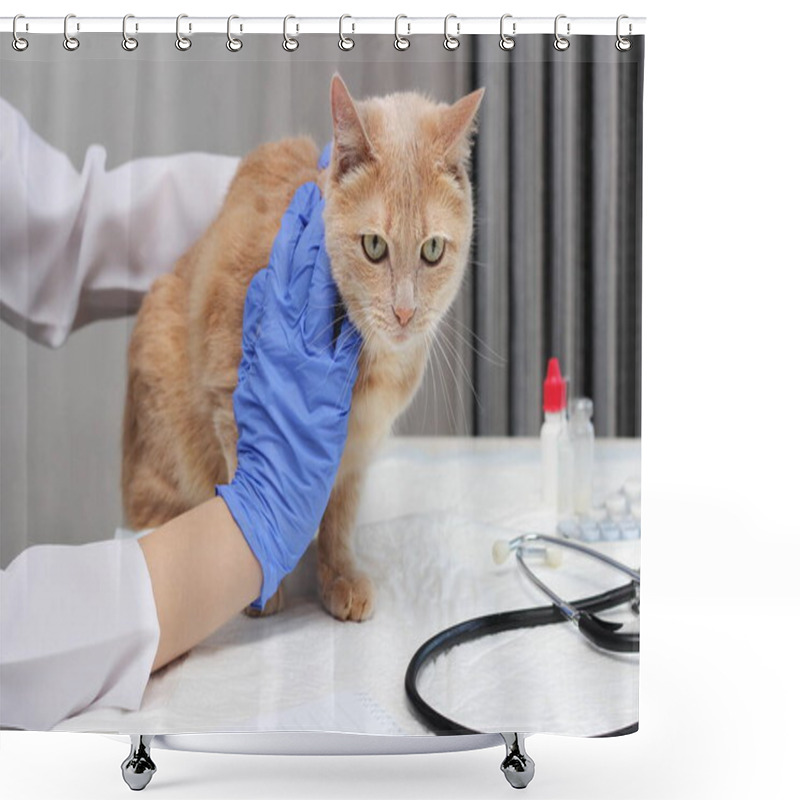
{"x": 600, "y": 632}
{"x": 582, "y": 613}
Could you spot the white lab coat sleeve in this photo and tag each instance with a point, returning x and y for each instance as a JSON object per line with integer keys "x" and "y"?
{"x": 78, "y": 630}
{"x": 79, "y": 246}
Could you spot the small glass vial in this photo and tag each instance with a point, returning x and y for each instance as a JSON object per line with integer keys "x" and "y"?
{"x": 582, "y": 440}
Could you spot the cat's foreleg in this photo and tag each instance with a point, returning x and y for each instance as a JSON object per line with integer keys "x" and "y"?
{"x": 346, "y": 592}
{"x": 227, "y": 434}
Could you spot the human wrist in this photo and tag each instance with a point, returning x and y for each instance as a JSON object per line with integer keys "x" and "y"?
{"x": 202, "y": 572}
{"x": 259, "y": 530}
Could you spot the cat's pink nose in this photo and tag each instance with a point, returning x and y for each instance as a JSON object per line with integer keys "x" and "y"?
{"x": 403, "y": 315}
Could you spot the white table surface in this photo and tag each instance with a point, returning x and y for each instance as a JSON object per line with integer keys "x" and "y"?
{"x": 425, "y": 531}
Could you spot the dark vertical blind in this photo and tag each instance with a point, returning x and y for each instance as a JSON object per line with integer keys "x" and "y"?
{"x": 557, "y": 256}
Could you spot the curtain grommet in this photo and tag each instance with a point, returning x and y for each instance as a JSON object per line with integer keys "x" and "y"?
{"x": 70, "y": 43}
{"x": 233, "y": 44}
{"x": 561, "y": 43}
{"x": 401, "y": 43}
{"x": 17, "y": 42}
{"x": 129, "y": 43}
{"x": 507, "y": 41}
{"x": 451, "y": 42}
{"x": 183, "y": 43}
{"x": 345, "y": 42}
{"x": 623, "y": 44}
{"x": 290, "y": 43}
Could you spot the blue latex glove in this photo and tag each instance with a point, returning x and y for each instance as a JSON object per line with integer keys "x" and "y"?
{"x": 325, "y": 156}
{"x": 293, "y": 397}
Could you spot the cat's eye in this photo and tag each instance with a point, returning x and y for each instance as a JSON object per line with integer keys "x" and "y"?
{"x": 433, "y": 249}
{"x": 374, "y": 246}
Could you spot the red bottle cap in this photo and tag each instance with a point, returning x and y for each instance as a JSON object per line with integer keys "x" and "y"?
{"x": 555, "y": 388}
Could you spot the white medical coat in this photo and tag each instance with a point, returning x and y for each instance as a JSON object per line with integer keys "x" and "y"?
{"x": 78, "y": 624}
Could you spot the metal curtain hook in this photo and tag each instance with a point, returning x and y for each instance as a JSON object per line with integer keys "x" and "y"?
{"x": 129, "y": 43}
{"x": 290, "y": 44}
{"x": 18, "y": 43}
{"x": 233, "y": 44}
{"x": 623, "y": 44}
{"x": 70, "y": 42}
{"x": 451, "y": 42}
{"x": 345, "y": 42}
{"x": 507, "y": 42}
{"x": 182, "y": 42}
{"x": 401, "y": 42}
{"x": 561, "y": 42}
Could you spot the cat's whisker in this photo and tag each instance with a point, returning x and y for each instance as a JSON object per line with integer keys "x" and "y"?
{"x": 430, "y": 332}
{"x": 326, "y": 329}
{"x": 438, "y": 375}
{"x": 444, "y": 342}
{"x": 425, "y": 409}
{"x": 482, "y": 350}
{"x": 429, "y": 342}
{"x": 433, "y": 382}
{"x": 459, "y": 363}
{"x": 354, "y": 366}
{"x": 467, "y": 343}
{"x": 440, "y": 342}
{"x": 467, "y": 378}
{"x": 498, "y": 361}
{"x": 440, "y": 353}
{"x": 482, "y": 266}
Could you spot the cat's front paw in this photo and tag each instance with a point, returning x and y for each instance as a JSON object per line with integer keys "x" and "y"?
{"x": 346, "y": 596}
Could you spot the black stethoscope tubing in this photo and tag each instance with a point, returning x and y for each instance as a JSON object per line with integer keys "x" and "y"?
{"x": 498, "y": 623}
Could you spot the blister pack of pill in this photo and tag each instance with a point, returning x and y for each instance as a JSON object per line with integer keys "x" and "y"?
{"x": 619, "y": 517}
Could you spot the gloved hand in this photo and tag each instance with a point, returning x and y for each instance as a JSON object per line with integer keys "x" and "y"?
{"x": 293, "y": 397}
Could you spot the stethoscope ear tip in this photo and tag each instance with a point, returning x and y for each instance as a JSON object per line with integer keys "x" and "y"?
{"x": 500, "y": 551}
{"x": 553, "y": 556}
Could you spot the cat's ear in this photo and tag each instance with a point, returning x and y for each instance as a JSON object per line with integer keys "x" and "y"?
{"x": 456, "y": 126}
{"x": 351, "y": 145}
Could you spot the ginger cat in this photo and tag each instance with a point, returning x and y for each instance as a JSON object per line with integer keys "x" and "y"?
{"x": 398, "y": 226}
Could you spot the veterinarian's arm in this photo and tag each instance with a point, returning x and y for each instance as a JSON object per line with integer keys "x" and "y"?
{"x": 203, "y": 573}
{"x": 291, "y": 405}
{"x": 83, "y": 626}
{"x": 79, "y": 246}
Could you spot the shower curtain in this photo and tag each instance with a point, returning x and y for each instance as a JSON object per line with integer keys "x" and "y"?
{"x": 553, "y": 271}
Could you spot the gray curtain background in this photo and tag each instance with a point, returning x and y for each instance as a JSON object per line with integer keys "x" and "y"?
{"x": 557, "y": 254}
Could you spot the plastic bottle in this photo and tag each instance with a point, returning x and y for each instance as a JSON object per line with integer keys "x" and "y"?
{"x": 582, "y": 439}
{"x": 555, "y": 421}
{"x": 566, "y": 490}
